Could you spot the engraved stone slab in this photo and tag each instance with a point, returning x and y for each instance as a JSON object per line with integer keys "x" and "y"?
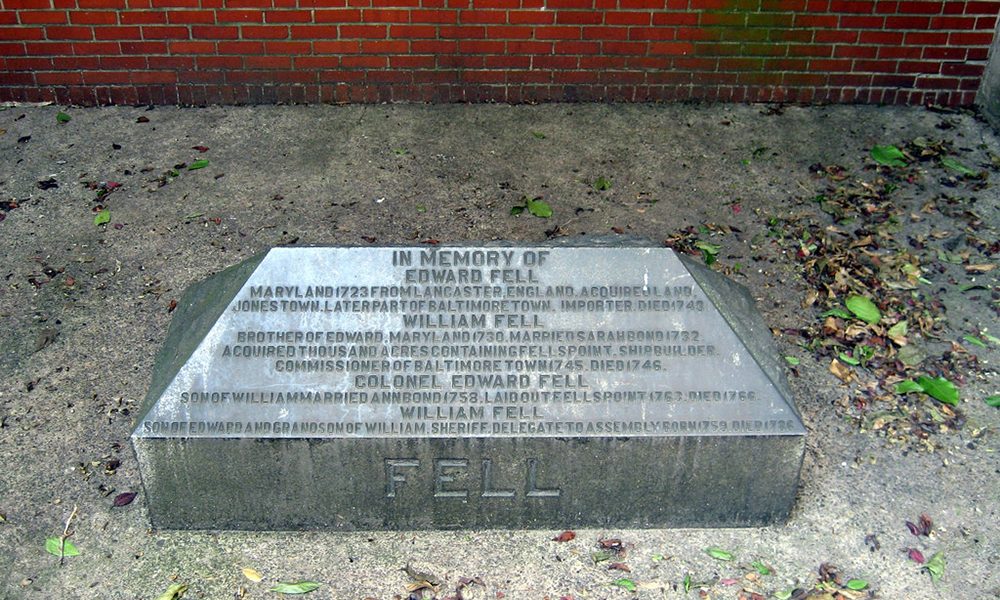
{"x": 445, "y": 387}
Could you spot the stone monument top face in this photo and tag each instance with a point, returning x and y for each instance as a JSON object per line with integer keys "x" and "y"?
{"x": 468, "y": 386}
{"x": 471, "y": 342}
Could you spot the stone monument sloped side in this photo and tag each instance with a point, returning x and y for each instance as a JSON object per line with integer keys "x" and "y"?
{"x": 468, "y": 386}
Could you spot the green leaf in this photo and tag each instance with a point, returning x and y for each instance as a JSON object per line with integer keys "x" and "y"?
{"x": 792, "y": 361}
{"x": 600, "y": 556}
{"x": 898, "y": 330}
{"x": 538, "y": 135}
{"x": 201, "y": 163}
{"x": 889, "y": 156}
{"x": 954, "y": 165}
{"x": 302, "y": 587}
{"x": 687, "y": 582}
{"x": 421, "y": 208}
{"x": 905, "y": 387}
{"x": 940, "y": 389}
{"x": 864, "y": 309}
{"x": 857, "y": 584}
{"x": 539, "y": 208}
{"x": 102, "y": 217}
{"x": 719, "y": 553}
{"x": 935, "y": 566}
{"x": 761, "y": 567}
{"x": 174, "y": 592}
{"x": 62, "y": 117}
{"x": 836, "y": 312}
{"x": 993, "y": 401}
{"x": 60, "y": 548}
{"x": 602, "y": 184}
{"x": 625, "y": 583}
{"x": 974, "y": 340}
{"x": 516, "y": 210}
{"x": 849, "y": 359}
{"x": 709, "y": 251}
{"x": 783, "y": 595}
{"x": 400, "y": 151}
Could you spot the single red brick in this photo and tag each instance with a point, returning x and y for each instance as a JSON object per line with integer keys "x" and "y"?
{"x": 288, "y": 16}
{"x": 783, "y": 5}
{"x": 144, "y": 17}
{"x": 460, "y": 32}
{"x": 411, "y": 62}
{"x": 836, "y": 36}
{"x": 67, "y": 33}
{"x": 141, "y": 48}
{"x": 981, "y": 8}
{"x": 875, "y": 66}
{"x": 412, "y": 32}
{"x": 855, "y": 51}
{"x": 945, "y": 53}
{"x": 281, "y": 47}
{"x": 531, "y": 17}
{"x": 432, "y": 46}
{"x": 633, "y": 48}
{"x": 616, "y": 17}
{"x": 28, "y": 4}
{"x": 970, "y": 39}
{"x": 185, "y": 17}
{"x": 558, "y": 5}
{"x": 153, "y": 32}
{"x": 215, "y": 33}
{"x": 382, "y": 15}
{"x": 121, "y": 63}
{"x": 575, "y": 47}
{"x": 119, "y": 4}
{"x": 579, "y": 17}
{"x": 671, "y": 48}
{"x": 907, "y": 22}
{"x": 899, "y": 52}
{"x": 852, "y": 6}
{"x": 51, "y": 17}
{"x": 962, "y": 69}
{"x": 240, "y": 47}
{"x": 267, "y": 62}
{"x": 192, "y": 47}
{"x": 363, "y": 31}
{"x": 856, "y": 22}
{"x": 829, "y": 65}
{"x": 366, "y": 62}
{"x": 509, "y": 32}
{"x": 808, "y": 20}
{"x": 219, "y": 62}
{"x": 118, "y": 33}
{"x": 530, "y": 47}
{"x": 922, "y": 38}
{"x": 76, "y": 62}
{"x": 385, "y": 47}
{"x": 239, "y": 16}
{"x": 347, "y": 15}
{"x": 818, "y": 50}
{"x": 925, "y": 7}
{"x": 480, "y": 16}
{"x": 906, "y": 66}
{"x": 264, "y": 32}
{"x": 481, "y": 47}
{"x": 248, "y": 4}
{"x": 643, "y": 4}
{"x": 881, "y": 37}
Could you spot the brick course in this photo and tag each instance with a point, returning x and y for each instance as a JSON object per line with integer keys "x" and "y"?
{"x": 248, "y": 51}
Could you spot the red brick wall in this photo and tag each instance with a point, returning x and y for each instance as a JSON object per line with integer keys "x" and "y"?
{"x": 239, "y": 51}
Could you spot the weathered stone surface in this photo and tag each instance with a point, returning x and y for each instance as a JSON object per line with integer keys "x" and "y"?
{"x": 468, "y": 387}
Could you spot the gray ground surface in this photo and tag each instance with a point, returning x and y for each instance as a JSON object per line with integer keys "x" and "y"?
{"x": 84, "y": 308}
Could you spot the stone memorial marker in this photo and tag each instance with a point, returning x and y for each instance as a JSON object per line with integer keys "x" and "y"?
{"x": 468, "y": 387}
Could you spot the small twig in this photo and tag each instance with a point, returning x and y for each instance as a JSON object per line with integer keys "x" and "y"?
{"x": 65, "y": 535}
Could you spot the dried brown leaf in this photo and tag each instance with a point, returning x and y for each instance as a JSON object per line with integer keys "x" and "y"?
{"x": 565, "y": 536}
